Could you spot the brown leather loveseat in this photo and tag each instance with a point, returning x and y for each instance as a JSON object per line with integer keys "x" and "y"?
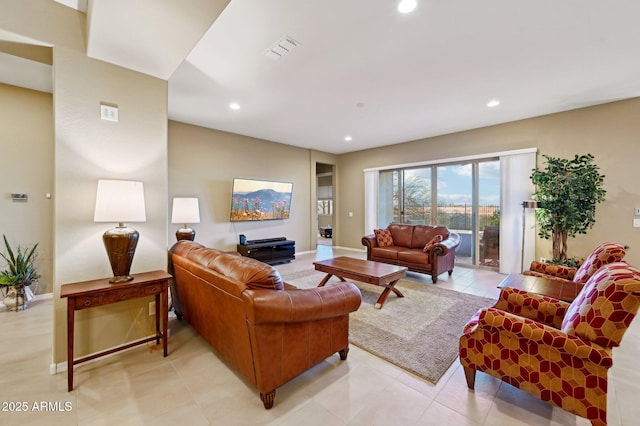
{"x": 268, "y": 330}
{"x": 421, "y": 248}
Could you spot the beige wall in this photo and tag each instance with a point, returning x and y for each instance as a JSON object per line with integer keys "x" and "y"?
{"x": 87, "y": 149}
{"x": 609, "y": 132}
{"x": 26, "y": 152}
{"x": 203, "y": 163}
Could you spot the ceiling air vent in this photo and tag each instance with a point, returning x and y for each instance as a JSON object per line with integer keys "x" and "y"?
{"x": 281, "y": 48}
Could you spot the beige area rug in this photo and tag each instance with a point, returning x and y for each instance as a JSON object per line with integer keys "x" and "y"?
{"x": 418, "y": 332}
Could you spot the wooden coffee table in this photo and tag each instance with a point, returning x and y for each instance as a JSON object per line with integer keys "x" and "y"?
{"x": 366, "y": 271}
{"x": 557, "y": 289}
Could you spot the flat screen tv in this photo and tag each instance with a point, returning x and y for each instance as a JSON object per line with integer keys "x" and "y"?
{"x": 254, "y": 200}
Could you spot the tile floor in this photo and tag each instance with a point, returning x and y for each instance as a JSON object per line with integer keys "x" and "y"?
{"x": 192, "y": 386}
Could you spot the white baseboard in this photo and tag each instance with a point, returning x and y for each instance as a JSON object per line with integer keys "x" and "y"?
{"x": 58, "y": 368}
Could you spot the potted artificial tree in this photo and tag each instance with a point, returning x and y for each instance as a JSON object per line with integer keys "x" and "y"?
{"x": 567, "y": 192}
{"x": 19, "y": 275}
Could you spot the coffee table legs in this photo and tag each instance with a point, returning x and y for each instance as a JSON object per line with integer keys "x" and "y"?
{"x": 325, "y": 279}
{"x": 383, "y": 297}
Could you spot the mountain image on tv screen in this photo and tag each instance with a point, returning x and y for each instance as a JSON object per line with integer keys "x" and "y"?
{"x": 253, "y": 200}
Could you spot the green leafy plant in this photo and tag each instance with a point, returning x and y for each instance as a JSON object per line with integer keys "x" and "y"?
{"x": 20, "y": 264}
{"x": 567, "y": 192}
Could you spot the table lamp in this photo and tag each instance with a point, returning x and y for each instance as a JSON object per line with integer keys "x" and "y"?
{"x": 185, "y": 210}
{"x": 120, "y": 201}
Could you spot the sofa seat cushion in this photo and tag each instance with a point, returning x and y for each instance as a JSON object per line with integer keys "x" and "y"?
{"x": 413, "y": 256}
{"x": 390, "y": 253}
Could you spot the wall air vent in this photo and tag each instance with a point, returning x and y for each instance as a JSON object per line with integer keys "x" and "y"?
{"x": 282, "y": 48}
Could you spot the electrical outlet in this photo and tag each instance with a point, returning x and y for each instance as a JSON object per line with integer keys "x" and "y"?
{"x": 152, "y": 308}
{"x": 543, "y": 259}
{"x": 636, "y": 223}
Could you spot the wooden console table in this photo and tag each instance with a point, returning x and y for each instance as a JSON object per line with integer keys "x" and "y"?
{"x": 89, "y": 294}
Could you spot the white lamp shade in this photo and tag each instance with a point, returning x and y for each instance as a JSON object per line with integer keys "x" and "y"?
{"x": 185, "y": 210}
{"x": 120, "y": 201}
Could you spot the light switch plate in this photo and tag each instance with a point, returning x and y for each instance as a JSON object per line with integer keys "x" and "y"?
{"x": 637, "y": 211}
{"x": 109, "y": 113}
{"x": 636, "y": 223}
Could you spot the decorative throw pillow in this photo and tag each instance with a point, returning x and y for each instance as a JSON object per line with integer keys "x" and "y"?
{"x": 435, "y": 240}
{"x": 384, "y": 238}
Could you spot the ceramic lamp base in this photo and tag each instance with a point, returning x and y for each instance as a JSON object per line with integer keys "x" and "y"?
{"x": 120, "y": 243}
{"x": 185, "y": 234}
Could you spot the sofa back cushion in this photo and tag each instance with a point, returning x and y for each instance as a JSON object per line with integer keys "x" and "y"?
{"x": 401, "y": 234}
{"x": 423, "y": 234}
{"x": 605, "y": 306}
{"x": 603, "y": 254}
{"x": 253, "y": 273}
{"x": 250, "y": 272}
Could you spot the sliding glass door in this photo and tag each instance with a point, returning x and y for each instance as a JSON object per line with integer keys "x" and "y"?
{"x": 464, "y": 197}
{"x": 455, "y": 197}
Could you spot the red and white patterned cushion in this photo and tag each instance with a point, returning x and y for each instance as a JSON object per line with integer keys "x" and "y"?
{"x": 603, "y": 254}
{"x": 383, "y": 237}
{"x": 606, "y": 305}
{"x": 435, "y": 240}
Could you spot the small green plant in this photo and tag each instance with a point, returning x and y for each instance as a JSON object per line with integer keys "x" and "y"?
{"x": 20, "y": 264}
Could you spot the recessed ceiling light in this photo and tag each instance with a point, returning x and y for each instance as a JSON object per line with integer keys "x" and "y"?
{"x": 234, "y": 106}
{"x": 493, "y": 103}
{"x": 348, "y": 138}
{"x": 406, "y": 6}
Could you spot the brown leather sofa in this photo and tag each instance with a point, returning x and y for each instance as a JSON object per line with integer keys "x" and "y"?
{"x": 268, "y": 330}
{"x": 409, "y": 248}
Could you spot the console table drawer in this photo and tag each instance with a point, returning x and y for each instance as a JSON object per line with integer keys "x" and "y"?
{"x": 84, "y": 302}
{"x": 124, "y": 294}
{"x": 153, "y": 289}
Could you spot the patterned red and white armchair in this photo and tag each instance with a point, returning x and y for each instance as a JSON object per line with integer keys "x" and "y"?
{"x": 605, "y": 253}
{"x": 553, "y": 350}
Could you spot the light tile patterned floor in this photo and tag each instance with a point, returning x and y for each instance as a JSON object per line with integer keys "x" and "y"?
{"x": 192, "y": 386}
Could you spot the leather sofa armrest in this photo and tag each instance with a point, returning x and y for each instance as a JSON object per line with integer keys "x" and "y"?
{"x": 450, "y": 243}
{"x": 369, "y": 241}
{"x": 287, "y": 306}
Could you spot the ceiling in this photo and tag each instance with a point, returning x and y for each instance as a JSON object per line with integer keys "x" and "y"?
{"x": 364, "y": 70}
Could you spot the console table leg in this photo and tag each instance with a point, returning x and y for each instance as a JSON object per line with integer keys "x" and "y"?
{"x": 165, "y": 318}
{"x": 158, "y": 310}
{"x": 70, "y": 331}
